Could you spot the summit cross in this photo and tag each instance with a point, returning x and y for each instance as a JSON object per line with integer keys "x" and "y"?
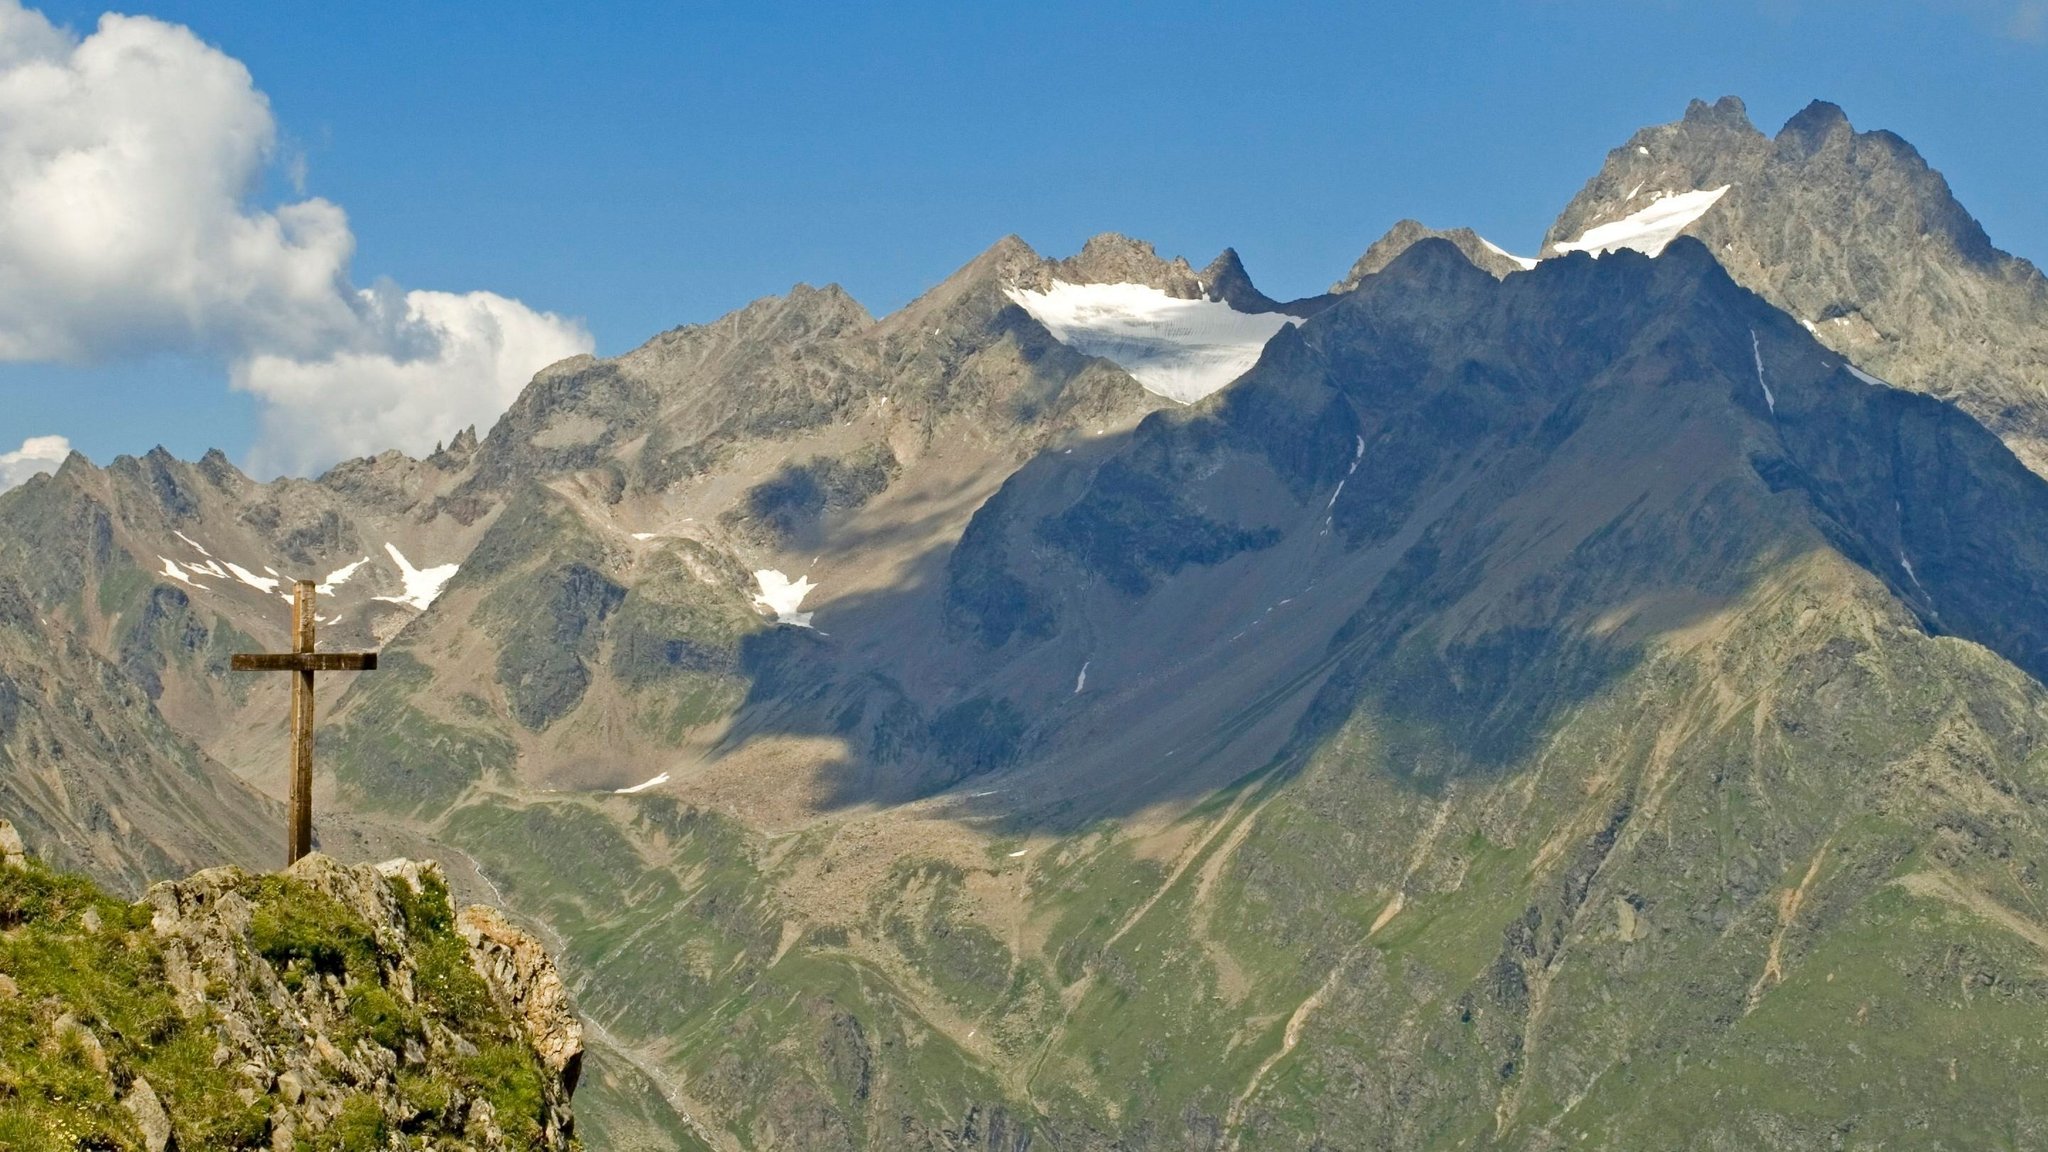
{"x": 303, "y": 661}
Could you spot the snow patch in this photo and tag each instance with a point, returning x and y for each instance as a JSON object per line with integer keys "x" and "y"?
{"x": 643, "y": 536}
{"x": 1180, "y": 349}
{"x": 1646, "y": 230}
{"x": 1019, "y": 852}
{"x": 1081, "y": 681}
{"x": 172, "y": 570}
{"x": 338, "y": 577}
{"x": 422, "y": 585}
{"x": 191, "y": 541}
{"x": 643, "y": 786}
{"x": 782, "y": 597}
{"x": 1756, "y": 349}
{"x": 1523, "y": 261}
{"x": 262, "y": 584}
{"x": 1866, "y": 377}
{"x": 1642, "y": 151}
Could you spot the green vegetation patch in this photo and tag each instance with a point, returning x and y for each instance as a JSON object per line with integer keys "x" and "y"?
{"x": 89, "y": 1011}
{"x": 391, "y": 756}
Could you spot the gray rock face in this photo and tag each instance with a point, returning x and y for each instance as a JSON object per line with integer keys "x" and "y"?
{"x": 522, "y": 975}
{"x": 143, "y": 1104}
{"x": 1110, "y": 258}
{"x": 1856, "y": 236}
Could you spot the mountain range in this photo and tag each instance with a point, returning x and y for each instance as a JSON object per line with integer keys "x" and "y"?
{"x": 1592, "y": 699}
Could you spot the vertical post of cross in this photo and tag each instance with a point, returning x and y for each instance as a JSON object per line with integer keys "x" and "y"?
{"x": 302, "y": 661}
{"x": 300, "y": 824}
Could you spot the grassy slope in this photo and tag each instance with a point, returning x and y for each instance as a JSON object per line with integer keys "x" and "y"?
{"x": 1677, "y": 922}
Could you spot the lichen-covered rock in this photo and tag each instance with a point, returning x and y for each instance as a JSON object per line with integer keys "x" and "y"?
{"x": 325, "y": 1007}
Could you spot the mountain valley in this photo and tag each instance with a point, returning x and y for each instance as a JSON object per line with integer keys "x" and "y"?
{"x": 1586, "y": 701}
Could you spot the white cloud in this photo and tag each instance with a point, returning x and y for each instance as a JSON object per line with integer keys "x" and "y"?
{"x": 37, "y": 453}
{"x": 448, "y": 361}
{"x": 127, "y": 163}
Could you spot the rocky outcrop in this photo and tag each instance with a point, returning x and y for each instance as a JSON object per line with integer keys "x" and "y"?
{"x": 271, "y": 979}
{"x": 522, "y": 977}
{"x": 343, "y": 1006}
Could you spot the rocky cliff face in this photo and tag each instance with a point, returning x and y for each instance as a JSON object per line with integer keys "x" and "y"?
{"x": 1854, "y": 234}
{"x": 322, "y": 1007}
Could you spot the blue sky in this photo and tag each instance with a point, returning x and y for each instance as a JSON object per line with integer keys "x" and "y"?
{"x": 634, "y": 167}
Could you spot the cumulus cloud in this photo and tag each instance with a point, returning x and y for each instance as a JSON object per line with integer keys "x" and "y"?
{"x": 359, "y": 402}
{"x": 37, "y": 453}
{"x": 128, "y": 161}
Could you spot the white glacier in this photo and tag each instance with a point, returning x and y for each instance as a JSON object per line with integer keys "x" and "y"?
{"x": 1180, "y": 349}
{"x": 422, "y": 585}
{"x": 782, "y": 597}
{"x": 1647, "y": 230}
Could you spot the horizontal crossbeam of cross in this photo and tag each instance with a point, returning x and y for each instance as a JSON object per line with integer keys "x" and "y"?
{"x": 303, "y": 662}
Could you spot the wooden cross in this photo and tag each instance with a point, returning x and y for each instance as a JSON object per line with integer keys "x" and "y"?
{"x": 304, "y": 661}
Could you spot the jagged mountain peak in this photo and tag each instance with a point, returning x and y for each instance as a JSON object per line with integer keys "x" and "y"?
{"x": 221, "y": 471}
{"x": 1432, "y": 263}
{"x": 457, "y": 452}
{"x": 1113, "y": 258}
{"x": 1002, "y": 264}
{"x": 1727, "y": 113}
{"x": 1816, "y": 123}
{"x": 1225, "y": 279}
{"x": 1853, "y": 233}
{"x": 1475, "y": 248}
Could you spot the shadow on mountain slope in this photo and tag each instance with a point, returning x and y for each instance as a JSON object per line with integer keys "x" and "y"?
{"x": 1475, "y": 505}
